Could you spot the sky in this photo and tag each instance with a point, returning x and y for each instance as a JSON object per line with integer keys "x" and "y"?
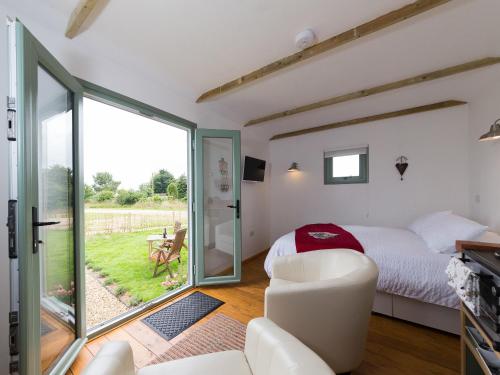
{"x": 129, "y": 146}
{"x": 345, "y": 166}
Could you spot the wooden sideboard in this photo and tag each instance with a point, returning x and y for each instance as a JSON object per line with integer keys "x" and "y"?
{"x": 474, "y": 333}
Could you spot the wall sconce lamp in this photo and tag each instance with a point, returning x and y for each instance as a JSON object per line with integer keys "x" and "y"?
{"x": 401, "y": 165}
{"x": 494, "y": 132}
{"x": 294, "y": 167}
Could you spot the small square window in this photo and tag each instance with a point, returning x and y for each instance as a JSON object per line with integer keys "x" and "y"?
{"x": 346, "y": 166}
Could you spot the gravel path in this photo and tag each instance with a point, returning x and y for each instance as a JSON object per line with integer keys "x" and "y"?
{"x": 101, "y": 304}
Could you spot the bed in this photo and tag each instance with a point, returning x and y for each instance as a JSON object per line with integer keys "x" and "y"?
{"x": 412, "y": 283}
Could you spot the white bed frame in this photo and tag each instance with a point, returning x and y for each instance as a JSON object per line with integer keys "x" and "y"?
{"x": 427, "y": 314}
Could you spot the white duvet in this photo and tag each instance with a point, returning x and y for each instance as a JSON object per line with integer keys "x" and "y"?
{"x": 407, "y": 267}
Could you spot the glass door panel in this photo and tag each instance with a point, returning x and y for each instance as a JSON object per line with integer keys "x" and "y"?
{"x": 49, "y": 208}
{"x": 55, "y": 210}
{"x": 218, "y": 206}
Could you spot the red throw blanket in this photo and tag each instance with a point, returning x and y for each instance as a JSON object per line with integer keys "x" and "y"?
{"x": 325, "y": 236}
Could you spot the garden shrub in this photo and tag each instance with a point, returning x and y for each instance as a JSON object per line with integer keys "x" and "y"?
{"x": 104, "y": 195}
{"x": 157, "y": 198}
{"x": 88, "y": 192}
{"x": 134, "y": 301}
{"x": 127, "y": 198}
{"x": 120, "y": 291}
{"x": 172, "y": 191}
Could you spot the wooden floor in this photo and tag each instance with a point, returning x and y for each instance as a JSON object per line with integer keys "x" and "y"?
{"x": 393, "y": 347}
{"x": 56, "y": 341}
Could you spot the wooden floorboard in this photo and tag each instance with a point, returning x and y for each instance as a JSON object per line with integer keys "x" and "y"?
{"x": 393, "y": 346}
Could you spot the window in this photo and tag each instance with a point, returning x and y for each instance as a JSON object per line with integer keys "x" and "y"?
{"x": 346, "y": 166}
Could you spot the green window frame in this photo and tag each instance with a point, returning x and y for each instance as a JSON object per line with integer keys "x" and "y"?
{"x": 362, "y": 178}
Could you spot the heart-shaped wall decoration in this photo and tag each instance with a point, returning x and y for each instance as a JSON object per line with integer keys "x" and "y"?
{"x": 401, "y": 165}
{"x": 401, "y": 168}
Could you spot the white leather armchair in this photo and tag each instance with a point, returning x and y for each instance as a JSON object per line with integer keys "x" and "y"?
{"x": 269, "y": 350}
{"x": 325, "y": 298}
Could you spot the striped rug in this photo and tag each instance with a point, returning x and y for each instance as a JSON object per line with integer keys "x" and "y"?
{"x": 218, "y": 334}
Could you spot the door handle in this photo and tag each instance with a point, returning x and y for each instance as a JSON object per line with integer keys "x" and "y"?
{"x": 237, "y": 206}
{"x": 35, "y": 225}
{"x": 45, "y": 223}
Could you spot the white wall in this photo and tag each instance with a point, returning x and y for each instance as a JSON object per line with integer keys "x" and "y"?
{"x": 485, "y": 159}
{"x": 436, "y": 144}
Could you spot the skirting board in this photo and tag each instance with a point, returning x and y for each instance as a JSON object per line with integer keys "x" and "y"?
{"x": 427, "y": 314}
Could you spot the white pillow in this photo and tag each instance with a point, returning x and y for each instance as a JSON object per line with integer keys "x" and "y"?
{"x": 440, "y": 230}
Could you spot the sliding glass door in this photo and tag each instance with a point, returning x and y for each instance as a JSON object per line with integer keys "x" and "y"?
{"x": 48, "y": 101}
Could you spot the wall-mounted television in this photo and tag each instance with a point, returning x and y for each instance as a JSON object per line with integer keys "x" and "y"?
{"x": 254, "y": 169}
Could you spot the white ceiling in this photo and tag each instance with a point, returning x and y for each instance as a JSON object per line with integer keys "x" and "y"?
{"x": 195, "y": 45}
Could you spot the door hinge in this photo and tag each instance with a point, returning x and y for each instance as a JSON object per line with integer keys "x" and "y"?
{"x": 14, "y": 367}
{"x": 11, "y": 225}
{"x": 11, "y": 119}
{"x": 194, "y": 269}
{"x": 13, "y": 332}
{"x": 193, "y": 206}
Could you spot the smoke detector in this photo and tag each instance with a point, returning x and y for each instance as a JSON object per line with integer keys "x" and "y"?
{"x": 305, "y": 39}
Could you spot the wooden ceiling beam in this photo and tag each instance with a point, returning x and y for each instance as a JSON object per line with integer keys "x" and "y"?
{"x": 336, "y": 41}
{"x": 79, "y": 16}
{"x": 372, "y": 118}
{"x": 430, "y": 76}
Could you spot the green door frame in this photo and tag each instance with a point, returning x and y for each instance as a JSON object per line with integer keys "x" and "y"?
{"x": 200, "y": 278}
{"x": 112, "y": 98}
{"x": 29, "y": 55}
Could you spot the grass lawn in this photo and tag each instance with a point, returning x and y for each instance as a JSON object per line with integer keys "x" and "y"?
{"x": 123, "y": 259}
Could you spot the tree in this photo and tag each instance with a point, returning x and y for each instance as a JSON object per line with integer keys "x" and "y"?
{"x": 161, "y": 180}
{"x": 172, "y": 190}
{"x": 104, "y": 181}
{"x": 182, "y": 186}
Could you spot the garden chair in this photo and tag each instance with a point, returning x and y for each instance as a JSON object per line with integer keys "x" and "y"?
{"x": 177, "y": 227}
{"x": 167, "y": 253}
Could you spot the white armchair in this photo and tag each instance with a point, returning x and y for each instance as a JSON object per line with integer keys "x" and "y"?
{"x": 269, "y": 350}
{"x": 325, "y": 298}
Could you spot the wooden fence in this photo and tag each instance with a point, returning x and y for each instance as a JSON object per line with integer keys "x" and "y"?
{"x": 106, "y": 222}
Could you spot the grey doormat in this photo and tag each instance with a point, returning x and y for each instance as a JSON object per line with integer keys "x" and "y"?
{"x": 175, "y": 318}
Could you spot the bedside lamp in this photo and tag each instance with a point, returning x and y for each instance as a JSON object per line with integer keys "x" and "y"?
{"x": 493, "y": 134}
{"x": 294, "y": 167}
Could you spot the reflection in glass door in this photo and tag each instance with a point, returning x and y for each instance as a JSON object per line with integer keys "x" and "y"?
{"x": 218, "y": 253}
{"x": 54, "y": 215}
